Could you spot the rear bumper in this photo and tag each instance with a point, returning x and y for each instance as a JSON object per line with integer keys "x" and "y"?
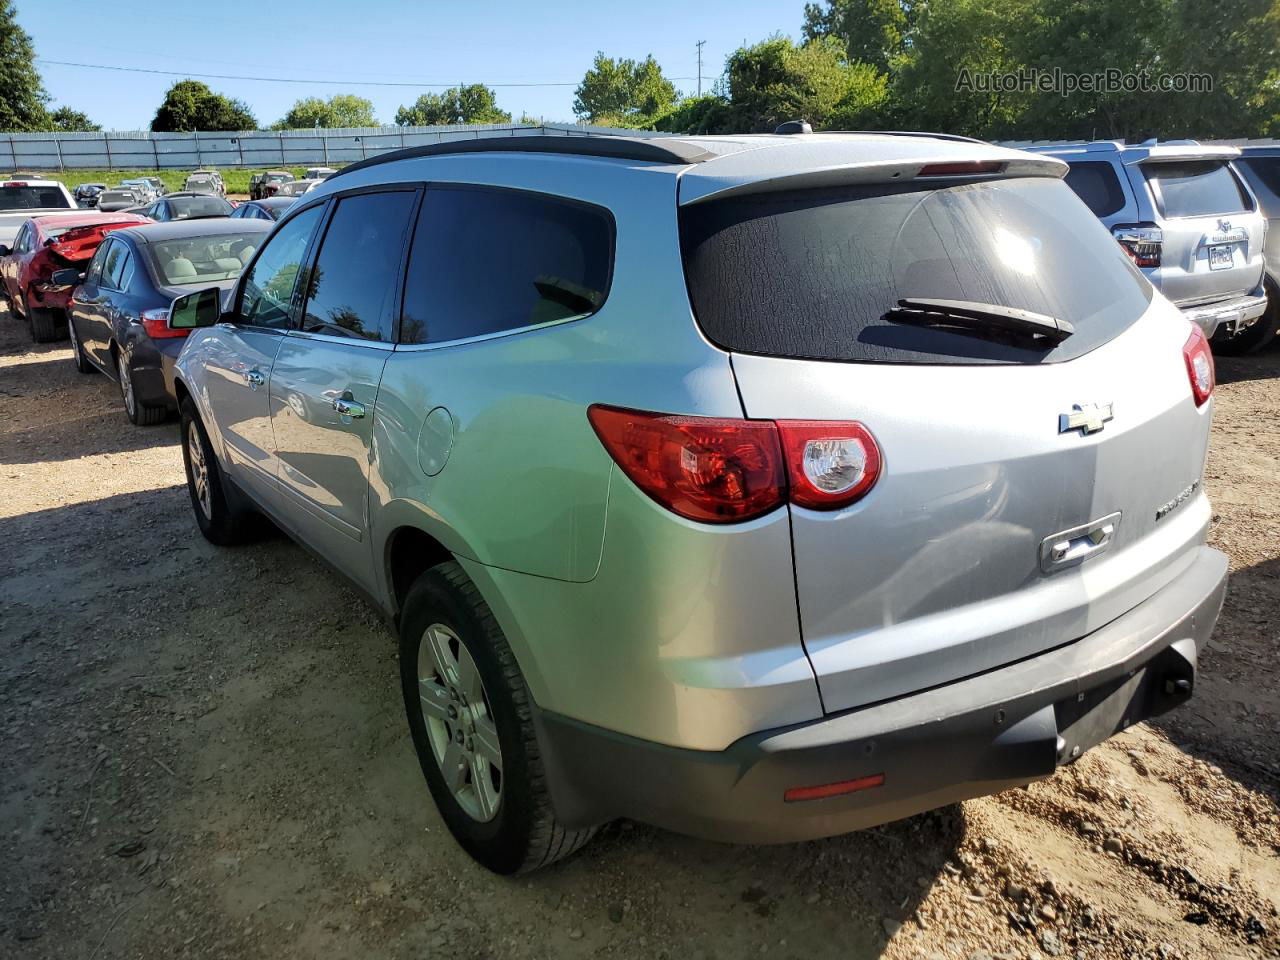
{"x": 1229, "y": 313}
{"x": 961, "y": 740}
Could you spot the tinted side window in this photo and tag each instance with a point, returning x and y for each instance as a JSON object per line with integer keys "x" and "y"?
{"x": 1196, "y": 188}
{"x": 267, "y": 291}
{"x": 22, "y": 243}
{"x": 1266, "y": 169}
{"x": 125, "y": 274}
{"x": 485, "y": 261}
{"x": 114, "y": 265}
{"x": 1097, "y": 185}
{"x": 352, "y": 289}
{"x": 94, "y": 273}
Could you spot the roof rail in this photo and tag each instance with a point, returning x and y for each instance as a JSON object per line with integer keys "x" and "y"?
{"x": 656, "y": 150}
{"x": 911, "y": 133}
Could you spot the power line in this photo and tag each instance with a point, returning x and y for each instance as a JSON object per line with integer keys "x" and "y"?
{"x": 355, "y": 83}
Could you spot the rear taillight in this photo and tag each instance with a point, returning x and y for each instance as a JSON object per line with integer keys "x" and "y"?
{"x": 156, "y": 323}
{"x": 1199, "y": 365}
{"x": 1143, "y": 242}
{"x": 721, "y": 470}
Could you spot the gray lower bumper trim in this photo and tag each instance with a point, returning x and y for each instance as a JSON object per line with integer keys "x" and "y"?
{"x": 976, "y": 736}
{"x": 1209, "y": 316}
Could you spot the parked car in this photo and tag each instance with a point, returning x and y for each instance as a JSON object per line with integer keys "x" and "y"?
{"x": 297, "y": 188}
{"x": 118, "y": 311}
{"x": 204, "y": 183}
{"x": 270, "y": 208}
{"x": 43, "y": 246}
{"x": 1188, "y": 222}
{"x": 22, "y": 199}
{"x": 143, "y": 187}
{"x": 86, "y": 194}
{"x": 119, "y": 198}
{"x": 266, "y": 184}
{"x": 158, "y": 185}
{"x": 917, "y": 519}
{"x": 1260, "y": 166}
{"x": 319, "y": 173}
{"x": 187, "y": 206}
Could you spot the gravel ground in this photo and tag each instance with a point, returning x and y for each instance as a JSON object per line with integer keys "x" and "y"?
{"x": 204, "y": 755}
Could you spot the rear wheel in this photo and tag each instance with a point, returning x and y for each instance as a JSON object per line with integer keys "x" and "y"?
{"x": 142, "y": 414}
{"x": 469, "y": 714}
{"x": 220, "y": 518}
{"x": 44, "y": 324}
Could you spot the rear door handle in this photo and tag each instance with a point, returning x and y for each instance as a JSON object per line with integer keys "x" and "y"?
{"x": 1073, "y": 547}
{"x": 254, "y": 378}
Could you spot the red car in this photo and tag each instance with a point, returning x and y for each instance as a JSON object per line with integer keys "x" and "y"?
{"x": 46, "y": 244}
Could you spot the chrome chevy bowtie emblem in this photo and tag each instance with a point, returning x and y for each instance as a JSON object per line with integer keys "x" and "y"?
{"x": 1087, "y": 418}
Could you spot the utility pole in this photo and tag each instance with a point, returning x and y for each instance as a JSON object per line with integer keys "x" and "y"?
{"x": 699, "y": 46}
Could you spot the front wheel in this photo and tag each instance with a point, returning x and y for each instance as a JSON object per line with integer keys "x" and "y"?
{"x": 219, "y": 518}
{"x": 469, "y": 715}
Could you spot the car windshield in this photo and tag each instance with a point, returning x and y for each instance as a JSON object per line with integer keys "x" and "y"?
{"x": 195, "y": 260}
{"x": 32, "y": 198}
{"x": 192, "y": 208}
{"x": 818, "y": 273}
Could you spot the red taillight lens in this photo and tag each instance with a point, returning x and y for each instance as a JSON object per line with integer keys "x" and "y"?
{"x": 964, "y": 168}
{"x": 155, "y": 322}
{"x": 726, "y": 470}
{"x": 703, "y": 468}
{"x": 829, "y": 465}
{"x": 1199, "y": 365}
{"x": 1143, "y": 242}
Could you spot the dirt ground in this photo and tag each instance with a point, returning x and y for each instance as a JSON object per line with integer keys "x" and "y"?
{"x": 203, "y": 754}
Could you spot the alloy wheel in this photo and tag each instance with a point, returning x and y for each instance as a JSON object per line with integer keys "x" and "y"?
{"x": 460, "y": 724}
{"x": 199, "y": 470}
{"x": 126, "y": 382}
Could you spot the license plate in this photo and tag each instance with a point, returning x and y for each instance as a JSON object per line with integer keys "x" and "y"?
{"x": 1220, "y": 256}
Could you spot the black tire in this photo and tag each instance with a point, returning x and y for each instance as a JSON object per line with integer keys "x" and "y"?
{"x": 77, "y": 351}
{"x": 44, "y": 324}
{"x": 139, "y": 413}
{"x": 1257, "y": 337}
{"x": 524, "y": 834}
{"x": 224, "y": 521}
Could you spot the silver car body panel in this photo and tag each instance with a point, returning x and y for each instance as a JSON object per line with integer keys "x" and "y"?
{"x": 626, "y": 616}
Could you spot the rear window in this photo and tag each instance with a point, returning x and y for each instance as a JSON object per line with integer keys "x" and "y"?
{"x": 32, "y": 198}
{"x": 814, "y": 273}
{"x": 1098, "y": 186}
{"x": 1196, "y": 188}
{"x": 192, "y": 260}
{"x": 188, "y": 208}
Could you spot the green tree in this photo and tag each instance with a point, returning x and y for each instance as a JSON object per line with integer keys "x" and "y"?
{"x": 710, "y": 113}
{"x": 190, "y": 105}
{"x": 66, "y": 119}
{"x": 873, "y": 31}
{"x": 340, "y": 110}
{"x": 624, "y": 92}
{"x": 470, "y": 103}
{"x": 775, "y": 81}
{"x": 22, "y": 95}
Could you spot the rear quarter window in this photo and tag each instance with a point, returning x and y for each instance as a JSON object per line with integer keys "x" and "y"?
{"x": 814, "y": 274}
{"x": 1266, "y": 169}
{"x": 1196, "y": 188}
{"x": 1098, "y": 186}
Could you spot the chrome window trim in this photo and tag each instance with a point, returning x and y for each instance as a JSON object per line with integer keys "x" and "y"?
{"x": 496, "y": 335}
{"x": 330, "y": 338}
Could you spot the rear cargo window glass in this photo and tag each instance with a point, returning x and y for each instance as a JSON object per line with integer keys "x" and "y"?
{"x": 485, "y": 261}
{"x": 1098, "y": 186}
{"x": 814, "y": 273}
{"x": 32, "y": 198}
{"x": 1196, "y": 188}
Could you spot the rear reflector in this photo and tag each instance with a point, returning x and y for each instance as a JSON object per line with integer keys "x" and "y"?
{"x": 833, "y": 789}
{"x": 965, "y": 169}
{"x": 1200, "y": 370}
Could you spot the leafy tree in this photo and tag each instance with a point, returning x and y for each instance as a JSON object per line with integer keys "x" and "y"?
{"x": 470, "y": 103}
{"x": 710, "y": 113}
{"x": 66, "y": 119}
{"x": 22, "y": 95}
{"x": 190, "y": 105}
{"x": 623, "y": 92}
{"x": 873, "y": 31}
{"x": 341, "y": 110}
{"x": 775, "y": 81}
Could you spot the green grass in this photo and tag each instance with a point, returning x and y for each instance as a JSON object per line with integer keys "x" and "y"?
{"x": 237, "y": 179}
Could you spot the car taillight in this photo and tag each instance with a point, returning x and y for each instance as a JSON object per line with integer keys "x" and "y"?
{"x": 156, "y": 323}
{"x": 1143, "y": 242}
{"x": 1199, "y": 360}
{"x": 722, "y": 470}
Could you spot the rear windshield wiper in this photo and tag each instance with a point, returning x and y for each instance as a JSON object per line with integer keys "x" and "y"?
{"x": 967, "y": 316}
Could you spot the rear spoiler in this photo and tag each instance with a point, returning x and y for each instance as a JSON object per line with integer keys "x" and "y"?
{"x": 1165, "y": 154}
{"x": 718, "y": 180}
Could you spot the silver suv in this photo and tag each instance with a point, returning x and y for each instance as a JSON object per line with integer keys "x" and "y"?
{"x": 1260, "y": 165}
{"x": 761, "y": 487}
{"x": 1187, "y": 220}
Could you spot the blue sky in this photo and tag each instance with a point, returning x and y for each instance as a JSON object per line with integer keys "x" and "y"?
{"x": 387, "y": 40}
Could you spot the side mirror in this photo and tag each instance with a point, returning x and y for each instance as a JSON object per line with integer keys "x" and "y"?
{"x": 4, "y": 250}
{"x": 68, "y": 277}
{"x": 193, "y": 310}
